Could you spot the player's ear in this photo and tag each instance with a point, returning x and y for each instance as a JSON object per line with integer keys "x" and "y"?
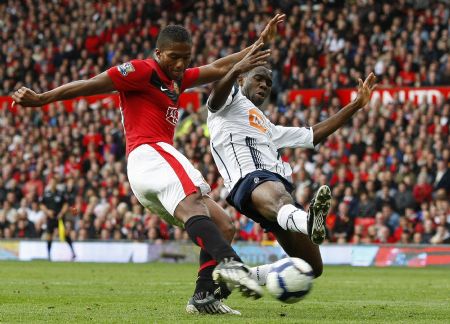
{"x": 240, "y": 80}
{"x": 157, "y": 53}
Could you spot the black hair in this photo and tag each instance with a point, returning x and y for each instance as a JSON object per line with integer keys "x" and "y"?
{"x": 246, "y": 74}
{"x": 173, "y": 34}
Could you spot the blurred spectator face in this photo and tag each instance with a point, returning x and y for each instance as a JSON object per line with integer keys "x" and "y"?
{"x": 417, "y": 238}
{"x": 387, "y": 211}
{"x": 83, "y": 234}
{"x": 256, "y": 85}
{"x": 117, "y": 235}
{"x": 153, "y": 233}
{"x": 405, "y": 237}
{"x": 104, "y": 234}
{"x": 343, "y": 209}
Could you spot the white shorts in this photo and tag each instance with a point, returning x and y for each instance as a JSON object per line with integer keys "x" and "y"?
{"x": 160, "y": 175}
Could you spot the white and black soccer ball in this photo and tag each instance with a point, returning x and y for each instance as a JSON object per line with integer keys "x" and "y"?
{"x": 289, "y": 280}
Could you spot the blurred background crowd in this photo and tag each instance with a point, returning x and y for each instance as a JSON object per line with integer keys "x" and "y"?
{"x": 388, "y": 168}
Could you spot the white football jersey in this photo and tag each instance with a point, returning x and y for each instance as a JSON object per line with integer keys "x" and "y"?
{"x": 244, "y": 140}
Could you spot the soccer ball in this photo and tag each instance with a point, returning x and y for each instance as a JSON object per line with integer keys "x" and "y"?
{"x": 289, "y": 280}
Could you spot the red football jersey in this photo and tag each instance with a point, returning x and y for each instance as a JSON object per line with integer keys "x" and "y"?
{"x": 148, "y": 100}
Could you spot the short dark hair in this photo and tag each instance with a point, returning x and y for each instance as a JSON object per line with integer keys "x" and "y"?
{"x": 173, "y": 34}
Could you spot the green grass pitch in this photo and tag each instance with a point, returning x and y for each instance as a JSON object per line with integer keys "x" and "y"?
{"x": 41, "y": 291}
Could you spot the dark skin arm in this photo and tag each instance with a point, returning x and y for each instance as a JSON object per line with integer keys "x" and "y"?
{"x": 323, "y": 129}
{"x": 99, "y": 84}
{"x": 219, "y": 68}
{"x": 222, "y": 88}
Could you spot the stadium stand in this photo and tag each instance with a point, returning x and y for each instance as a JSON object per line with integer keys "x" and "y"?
{"x": 388, "y": 168}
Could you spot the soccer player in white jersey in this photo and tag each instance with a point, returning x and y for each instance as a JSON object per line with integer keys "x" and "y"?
{"x": 245, "y": 144}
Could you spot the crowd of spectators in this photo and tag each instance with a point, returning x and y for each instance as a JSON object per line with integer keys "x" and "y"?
{"x": 388, "y": 168}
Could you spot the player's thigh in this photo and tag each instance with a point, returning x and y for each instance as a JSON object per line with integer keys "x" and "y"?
{"x": 299, "y": 245}
{"x": 269, "y": 197}
{"x": 220, "y": 218}
{"x": 159, "y": 173}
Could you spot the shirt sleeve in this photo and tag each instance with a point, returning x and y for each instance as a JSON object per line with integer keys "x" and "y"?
{"x": 292, "y": 136}
{"x": 130, "y": 76}
{"x": 189, "y": 77}
{"x": 233, "y": 93}
{"x": 227, "y": 102}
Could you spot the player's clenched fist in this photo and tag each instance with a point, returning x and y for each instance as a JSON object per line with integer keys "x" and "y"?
{"x": 26, "y": 98}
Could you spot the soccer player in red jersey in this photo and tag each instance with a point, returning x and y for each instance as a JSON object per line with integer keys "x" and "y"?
{"x": 161, "y": 177}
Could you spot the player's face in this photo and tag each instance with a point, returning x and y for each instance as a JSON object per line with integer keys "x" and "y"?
{"x": 174, "y": 59}
{"x": 257, "y": 85}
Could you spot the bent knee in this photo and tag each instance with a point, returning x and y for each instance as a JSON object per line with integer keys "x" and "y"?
{"x": 269, "y": 197}
{"x": 270, "y": 208}
{"x": 190, "y": 206}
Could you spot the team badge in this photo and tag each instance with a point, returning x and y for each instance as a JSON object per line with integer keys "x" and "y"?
{"x": 125, "y": 68}
{"x": 172, "y": 115}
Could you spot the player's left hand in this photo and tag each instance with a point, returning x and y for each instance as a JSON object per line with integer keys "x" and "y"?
{"x": 271, "y": 29}
{"x": 365, "y": 90}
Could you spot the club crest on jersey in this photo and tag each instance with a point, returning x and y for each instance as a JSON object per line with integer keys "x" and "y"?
{"x": 125, "y": 68}
{"x": 172, "y": 115}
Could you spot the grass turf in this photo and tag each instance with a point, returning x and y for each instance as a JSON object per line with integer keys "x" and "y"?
{"x": 40, "y": 291}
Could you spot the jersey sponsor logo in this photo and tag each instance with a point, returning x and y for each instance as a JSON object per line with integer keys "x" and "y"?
{"x": 126, "y": 68}
{"x": 172, "y": 115}
{"x": 164, "y": 89}
{"x": 257, "y": 120}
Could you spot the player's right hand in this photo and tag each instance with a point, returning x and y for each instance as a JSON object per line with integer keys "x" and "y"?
{"x": 365, "y": 90}
{"x": 255, "y": 57}
{"x": 26, "y": 98}
{"x": 270, "y": 31}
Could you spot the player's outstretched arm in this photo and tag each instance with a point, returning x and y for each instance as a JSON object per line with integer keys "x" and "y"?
{"x": 221, "y": 89}
{"x": 323, "y": 129}
{"x": 99, "y": 84}
{"x": 219, "y": 68}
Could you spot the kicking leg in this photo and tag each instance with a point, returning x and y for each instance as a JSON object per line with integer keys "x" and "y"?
{"x": 206, "y": 234}
{"x": 226, "y": 227}
{"x": 295, "y": 245}
{"x": 193, "y": 212}
{"x": 298, "y": 230}
{"x": 273, "y": 202}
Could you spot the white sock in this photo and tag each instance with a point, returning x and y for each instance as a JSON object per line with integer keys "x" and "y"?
{"x": 293, "y": 219}
{"x": 259, "y": 273}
